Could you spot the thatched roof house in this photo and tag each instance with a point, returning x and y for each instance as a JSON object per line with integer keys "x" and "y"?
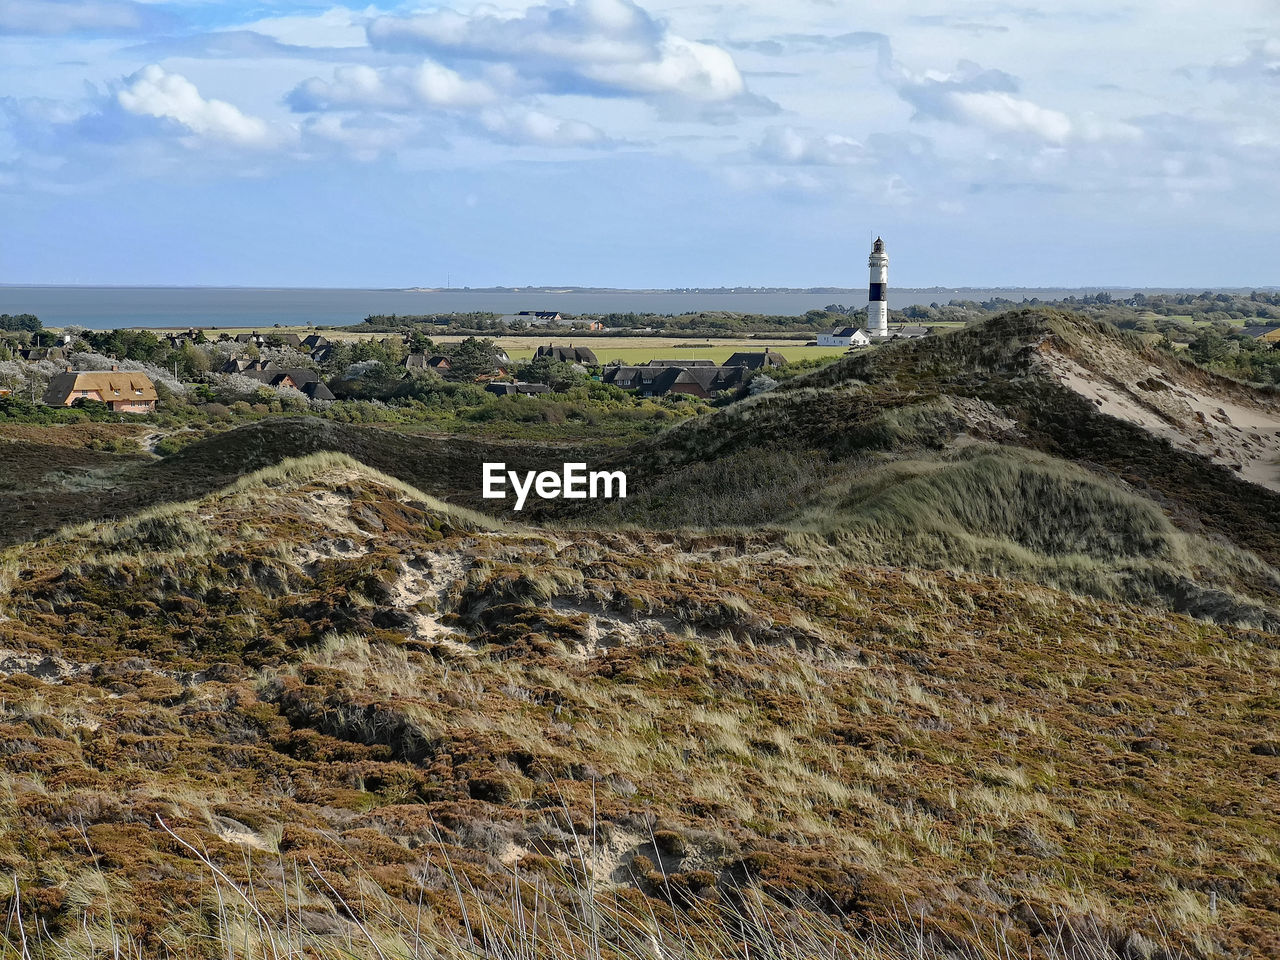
{"x": 757, "y": 360}
{"x": 123, "y": 391}
{"x": 581, "y": 355}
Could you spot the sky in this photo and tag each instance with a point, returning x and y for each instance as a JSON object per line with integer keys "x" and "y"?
{"x": 658, "y": 143}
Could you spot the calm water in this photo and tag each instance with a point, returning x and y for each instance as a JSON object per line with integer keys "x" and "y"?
{"x": 107, "y": 307}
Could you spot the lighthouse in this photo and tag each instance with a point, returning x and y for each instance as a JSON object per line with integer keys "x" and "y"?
{"x": 878, "y": 293}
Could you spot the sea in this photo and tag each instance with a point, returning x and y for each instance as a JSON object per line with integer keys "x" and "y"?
{"x": 105, "y": 308}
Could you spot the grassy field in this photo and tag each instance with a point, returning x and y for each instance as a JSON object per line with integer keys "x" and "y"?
{"x": 637, "y": 350}
{"x": 626, "y": 349}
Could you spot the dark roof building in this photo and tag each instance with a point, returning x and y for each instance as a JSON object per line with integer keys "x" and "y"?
{"x": 241, "y": 365}
{"x": 704, "y": 382}
{"x": 1260, "y": 331}
{"x": 757, "y": 360}
{"x": 909, "y": 332}
{"x": 179, "y": 340}
{"x": 36, "y": 354}
{"x": 681, "y": 363}
{"x": 512, "y": 389}
{"x": 317, "y": 391}
{"x": 649, "y": 381}
{"x": 581, "y": 355}
{"x": 626, "y": 378}
{"x": 299, "y": 378}
{"x": 427, "y": 361}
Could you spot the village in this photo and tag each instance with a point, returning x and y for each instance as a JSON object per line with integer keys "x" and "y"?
{"x": 120, "y": 369}
{"x": 323, "y": 370}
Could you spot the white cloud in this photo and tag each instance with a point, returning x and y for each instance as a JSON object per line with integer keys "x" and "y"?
{"x": 363, "y": 138}
{"x": 335, "y": 27}
{"x": 698, "y": 71}
{"x": 525, "y": 126}
{"x": 1005, "y": 113}
{"x": 391, "y": 88}
{"x": 356, "y": 84}
{"x": 582, "y": 31}
{"x": 990, "y": 100}
{"x": 786, "y": 145}
{"x": 573, "y": 46}
{"x": 1262, "y": 63}
{"x": 152, "y": 92}
{"x": 439, "y": 86}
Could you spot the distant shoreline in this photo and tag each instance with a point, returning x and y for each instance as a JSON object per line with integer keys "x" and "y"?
{"x": 649, "y": 291}
{"x": 261, "y": 307}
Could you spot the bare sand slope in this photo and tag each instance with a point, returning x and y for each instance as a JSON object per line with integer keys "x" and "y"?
{"x": 1223, "y": 421}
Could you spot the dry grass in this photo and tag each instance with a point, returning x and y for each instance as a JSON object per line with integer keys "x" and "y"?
{"x": 290, "y": 910}
{"x": 837, "y": 734}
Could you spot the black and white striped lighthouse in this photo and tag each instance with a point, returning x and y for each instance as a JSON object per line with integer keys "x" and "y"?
{"x": 878, "y": 293}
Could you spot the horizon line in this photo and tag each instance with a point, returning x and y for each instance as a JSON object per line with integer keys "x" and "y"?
{"x": 566, "y": 289}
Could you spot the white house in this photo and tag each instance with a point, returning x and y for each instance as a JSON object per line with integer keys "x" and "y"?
{"x": 844, "y": 337}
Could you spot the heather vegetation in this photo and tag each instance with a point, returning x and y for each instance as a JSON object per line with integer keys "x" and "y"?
{"x": 360, "y": 706}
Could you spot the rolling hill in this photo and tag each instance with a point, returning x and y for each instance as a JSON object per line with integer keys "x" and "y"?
{"x": 995, "y": 450}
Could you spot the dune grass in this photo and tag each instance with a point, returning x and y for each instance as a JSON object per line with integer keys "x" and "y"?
{"x": 290, "y": 911}
{"x": 952, "y": 453}
{"x": 978, "y": 508}
{"x": 846, "y": 739}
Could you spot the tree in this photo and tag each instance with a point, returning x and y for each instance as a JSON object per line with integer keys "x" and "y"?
{"x": 419, "y": 342}
{"x": 472, "y": 358}
{"x": 24, "y": 321}
{"x": 140, "y": 345}
{"x": 1209, "y": 347}
{"x": 193, "y": 361}
{"x": 557, "y": 374}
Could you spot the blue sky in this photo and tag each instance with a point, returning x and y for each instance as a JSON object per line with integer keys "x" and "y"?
{"x": 653, "y": 143}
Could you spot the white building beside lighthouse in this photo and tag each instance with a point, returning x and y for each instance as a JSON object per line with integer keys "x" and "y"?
{"x": 878, "y": 293}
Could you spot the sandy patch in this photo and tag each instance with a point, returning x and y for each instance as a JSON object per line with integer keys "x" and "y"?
{"x": 331, "y": 548}
{"x": 607, "y": 629}
{"x": 41, "y": 666}
{"x": 608, "y": 861}
{"x": 233, "y": 831}
{"x": 421, "y": 591}
{"x": 1240, "y": 433}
